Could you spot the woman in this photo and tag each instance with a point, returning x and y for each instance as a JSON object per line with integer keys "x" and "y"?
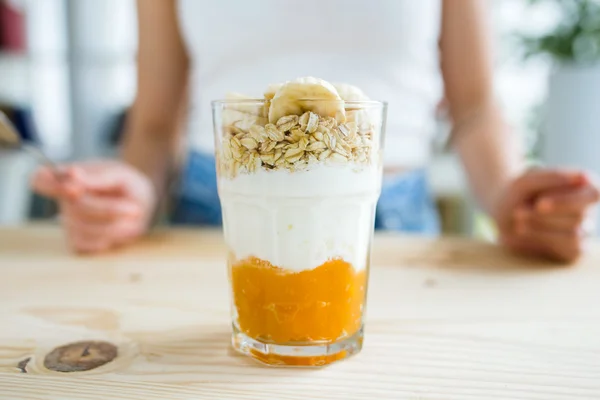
{"x": 402, "y": 51}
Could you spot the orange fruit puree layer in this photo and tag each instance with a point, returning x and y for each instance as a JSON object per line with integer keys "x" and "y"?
{"x": 281, "y": 306}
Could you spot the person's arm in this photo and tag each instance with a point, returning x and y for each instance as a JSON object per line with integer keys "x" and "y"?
{"x": 489, "y": 150}
{"x": 152, "y": 132}
{"x": 105, "y": 204}
{"x": 538, "y": 212}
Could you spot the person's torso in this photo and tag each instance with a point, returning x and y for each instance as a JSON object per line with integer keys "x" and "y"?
{"x": 388, "y": 48}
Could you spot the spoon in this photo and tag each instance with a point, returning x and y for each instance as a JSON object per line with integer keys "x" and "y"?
{"x": 10, "y": 138}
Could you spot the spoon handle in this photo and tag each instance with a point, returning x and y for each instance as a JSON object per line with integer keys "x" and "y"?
{"x": 9, "y": 136}
{"x": 60, "y": 176}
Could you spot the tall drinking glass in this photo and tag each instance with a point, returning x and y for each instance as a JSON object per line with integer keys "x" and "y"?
{"x": 298, "y": 197}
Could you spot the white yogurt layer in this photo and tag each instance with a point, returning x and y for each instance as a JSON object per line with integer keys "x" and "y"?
{"x": 299, "y": 220}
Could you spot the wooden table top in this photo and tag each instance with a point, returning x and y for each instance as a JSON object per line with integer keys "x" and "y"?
{"x": 447, "y": 319}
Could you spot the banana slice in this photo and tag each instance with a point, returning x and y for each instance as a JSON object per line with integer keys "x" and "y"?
{"x": 250, "y": 107}
{"x": 350, "y": 93}
{"x": 365, "y": 119}
{"x": 242, "y": 120}
{"x": 243, "y": 115}
{"x": 269, "y": 94}
{"x": 271, "y": 90}
{"x": 290, "y": 99}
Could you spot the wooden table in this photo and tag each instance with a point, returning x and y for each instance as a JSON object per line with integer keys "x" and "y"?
{"x": 447, "y": 319}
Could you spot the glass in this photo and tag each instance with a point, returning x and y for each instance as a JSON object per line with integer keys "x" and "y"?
{"x": 298, "y": 197}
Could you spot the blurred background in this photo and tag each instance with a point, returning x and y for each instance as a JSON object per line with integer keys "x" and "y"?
{"x": 67, "y": 78}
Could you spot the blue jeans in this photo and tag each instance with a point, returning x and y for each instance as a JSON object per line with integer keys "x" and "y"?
{"x": 405, "y": 203}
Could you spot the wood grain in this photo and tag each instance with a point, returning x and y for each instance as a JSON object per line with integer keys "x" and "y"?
{"x": 447, "y": 319}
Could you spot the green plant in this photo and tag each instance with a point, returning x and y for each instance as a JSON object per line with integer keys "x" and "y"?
{"x": 576, "y": 38}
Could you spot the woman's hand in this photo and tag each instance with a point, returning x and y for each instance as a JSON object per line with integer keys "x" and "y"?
{"x": 547, "y": 213}
{"x": 103, "y": 204}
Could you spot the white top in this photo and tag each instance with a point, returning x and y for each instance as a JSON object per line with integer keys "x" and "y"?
{"x": 388, "y": 48}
